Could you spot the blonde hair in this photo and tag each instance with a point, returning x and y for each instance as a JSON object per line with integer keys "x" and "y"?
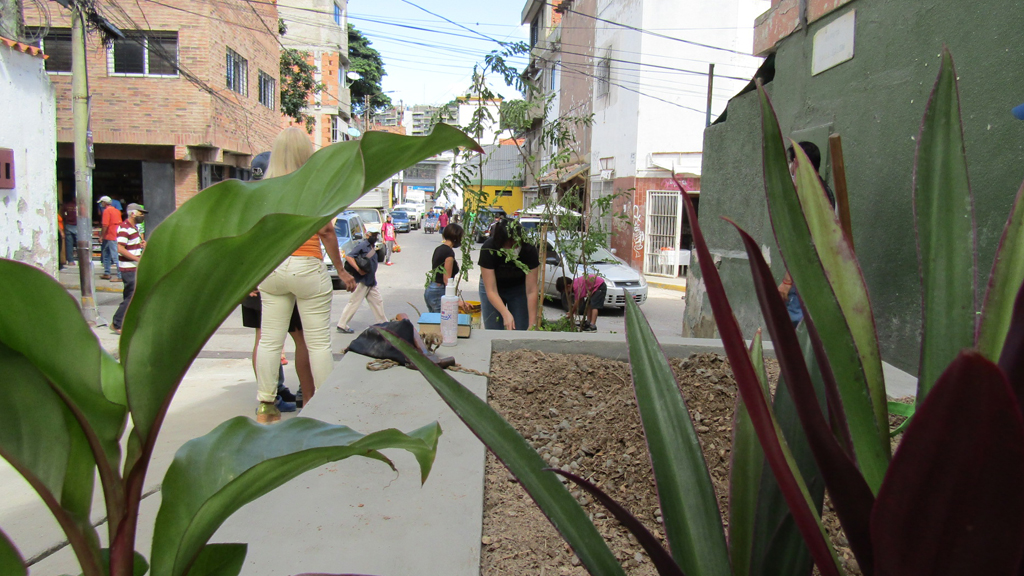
{"x": 291, "y": 150}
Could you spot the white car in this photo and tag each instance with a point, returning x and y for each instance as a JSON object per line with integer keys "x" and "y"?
{"x": 415, "y": 213}
{"x": 618, "y": 276}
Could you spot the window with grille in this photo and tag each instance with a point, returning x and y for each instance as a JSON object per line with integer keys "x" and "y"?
{"x": 268, "y": 89}
{"x": 237, "y": 73}
{"x": 56, "y": 44}
{"x": 144, "y": 53}
{"x": 604, "y": 77}
{"x": 337, "y": 130}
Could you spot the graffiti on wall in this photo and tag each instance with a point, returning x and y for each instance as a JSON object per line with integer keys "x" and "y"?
{"x": 638, "y": 233}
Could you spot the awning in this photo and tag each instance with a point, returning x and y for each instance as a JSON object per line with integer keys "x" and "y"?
{"x": 565, "y": 173}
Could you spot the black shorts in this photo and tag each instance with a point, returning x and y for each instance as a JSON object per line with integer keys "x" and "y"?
{"x": 252, "y": 318}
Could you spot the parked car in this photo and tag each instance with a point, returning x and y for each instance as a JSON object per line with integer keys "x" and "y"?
{"x": 350, "y": 230}
{"x": 401, "y": 221}
{"x": 415, "y": 213}
{"x": 371, "y": 217}
{"x": 484, "y": 218}
{"x": 618, "y": 276}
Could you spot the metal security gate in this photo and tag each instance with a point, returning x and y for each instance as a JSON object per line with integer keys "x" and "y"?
{"x": 661, "y": 249}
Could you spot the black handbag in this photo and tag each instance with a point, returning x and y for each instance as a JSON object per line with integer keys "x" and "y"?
{"x": 362, "y": 261}
{"x": 371, "y": 343}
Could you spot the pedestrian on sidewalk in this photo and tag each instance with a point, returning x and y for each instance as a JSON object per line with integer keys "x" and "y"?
{"x": 366, "y": 283}
{"x": 508, "y": 278}
{"x": 443, "y": 220}
{"x": 302, "y": 280}
{"x": 110, "y": 220}
{"x": 69, "y": 212}
{"x": 388, "y": 231}
{"x": 252, "y": 317}
{"x": 444, "y": 266}
{"x": 129, "y": 250}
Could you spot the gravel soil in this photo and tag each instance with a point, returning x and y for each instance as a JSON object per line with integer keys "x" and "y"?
{"x": 579, "y": 412}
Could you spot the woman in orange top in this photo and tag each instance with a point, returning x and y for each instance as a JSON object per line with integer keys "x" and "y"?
{"x": 301, "y": 280}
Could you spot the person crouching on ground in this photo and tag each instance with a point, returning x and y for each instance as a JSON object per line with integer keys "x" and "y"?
{"x": 366, "y": 284}
{"x": 444, "y": 266}
{"x": 302, "y": 280}
{"x": 584, "y": 295}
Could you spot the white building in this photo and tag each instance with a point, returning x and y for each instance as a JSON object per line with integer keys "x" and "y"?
{"x": 28, "y": 208}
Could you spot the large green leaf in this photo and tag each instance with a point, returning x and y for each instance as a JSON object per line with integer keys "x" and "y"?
{"x": 219, "y": 560}
{"x": 523, "y": 461}
{"x": 825, "y": 270}
{"x": 208, "y": 254}
{"x": 944, "y": 216}
{"x": 11, "y": 563}
{"x": 44, "y": 442}
{"x": 745, "y": 473}
{"x": 693, "y": 524}
{"x": 1003, "y": 284}
{"x": 779, "y": 548}
{"x": 213, "y": 476}
{"x": 41, "y": 322}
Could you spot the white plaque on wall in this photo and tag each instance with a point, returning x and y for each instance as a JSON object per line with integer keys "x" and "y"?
{"x": 833, "y": 44}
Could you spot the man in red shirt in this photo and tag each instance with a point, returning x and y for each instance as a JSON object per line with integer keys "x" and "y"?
{"x": 111, "y": 220}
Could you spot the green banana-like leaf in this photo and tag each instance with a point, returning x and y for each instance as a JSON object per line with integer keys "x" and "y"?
{"x": 693, "y": 524}
{"x": 220, "y": 560}
{"x": 1003, "y": 284}
{"x": 825, "y": 270}
{"x": 83, "y": 374}
{"x": 902, "y": 410}
{"x": 213, "y": 476}
{"x": 47, "y": 447}
{"x": 947, "y": 245}
{"x": 231, "y": 236}
{"x": 10, "y": 560}
{"x": 779, "y": 547}
{"x": 512, "y": 449}
{"x": 745, "y": 473}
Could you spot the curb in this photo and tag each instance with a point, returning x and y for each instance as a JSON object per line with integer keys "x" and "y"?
{"x": 96, "y": 288}
{"x": 667, "y": 286}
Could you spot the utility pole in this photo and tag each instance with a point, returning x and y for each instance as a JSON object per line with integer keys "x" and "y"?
{"x": 711, "y": 83}
{"x": 83, "y": 164}
{"x": 10, "y": 19}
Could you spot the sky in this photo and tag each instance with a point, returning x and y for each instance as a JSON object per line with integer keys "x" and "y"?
{"x": 430, "y": 61}
{"x": 433, "y": 65}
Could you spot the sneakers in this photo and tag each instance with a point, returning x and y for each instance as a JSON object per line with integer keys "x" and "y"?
{"x": 345, "y": 330}
{"x": 588, "y": 327}
{"x": 285, "y": 406}
{"x": 104, "y": 276}
{"x": 388, "y": 264}
{"x": 115, "y": 330}
{"x": 285, "y": 394}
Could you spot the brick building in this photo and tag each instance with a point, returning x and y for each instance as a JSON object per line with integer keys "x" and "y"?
{"x": 319, "y": 28}
{"x": 183, "y": 102}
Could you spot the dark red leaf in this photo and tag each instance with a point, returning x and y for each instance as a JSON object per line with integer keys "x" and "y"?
{"x": 660, "y": 557}
{"x": 850, "y": 493}
{"x": 951, "y": 503}
{"x": 753, "y": 396}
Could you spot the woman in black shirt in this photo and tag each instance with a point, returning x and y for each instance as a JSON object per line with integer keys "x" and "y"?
{"x": 444, "y": 258}
{"x": 508, "y": 283}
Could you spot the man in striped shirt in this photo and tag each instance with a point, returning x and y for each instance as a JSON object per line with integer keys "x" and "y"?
{"x": 129, "y": 250}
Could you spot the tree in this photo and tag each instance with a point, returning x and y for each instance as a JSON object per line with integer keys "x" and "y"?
{"x": 367, "y": 62}
{"x": 297, "y": 85}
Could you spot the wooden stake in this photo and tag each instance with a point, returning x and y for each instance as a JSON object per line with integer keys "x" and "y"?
{"x": 835, "y": 146}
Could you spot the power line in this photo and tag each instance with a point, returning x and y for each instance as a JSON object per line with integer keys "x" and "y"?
{"x": 649, "y": 32}
{"x": 624, "y": 87}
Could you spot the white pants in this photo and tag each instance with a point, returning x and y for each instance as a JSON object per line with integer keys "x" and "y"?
{"x": 372, "y": 296}
{"x": 301, "y": 281}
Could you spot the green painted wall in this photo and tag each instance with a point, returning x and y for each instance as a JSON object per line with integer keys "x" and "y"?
{"x": 876, "y": 102}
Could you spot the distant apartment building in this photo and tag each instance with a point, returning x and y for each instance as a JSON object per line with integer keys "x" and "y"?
{"x": 640, "y": 71}
{"x": 183, "y": 101}
{"x": 319, "y": 29}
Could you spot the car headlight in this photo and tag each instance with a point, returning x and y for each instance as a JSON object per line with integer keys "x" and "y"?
{"x": 643, "y": 281}
{"x": 609, "y": 283}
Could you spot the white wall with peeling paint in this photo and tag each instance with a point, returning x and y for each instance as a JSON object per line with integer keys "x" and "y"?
{"x": 28, "y": 213}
